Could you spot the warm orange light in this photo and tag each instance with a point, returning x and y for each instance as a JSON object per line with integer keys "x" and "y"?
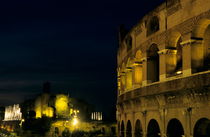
{"x": 179, "y": 72}
{"x": 61, "y": 105}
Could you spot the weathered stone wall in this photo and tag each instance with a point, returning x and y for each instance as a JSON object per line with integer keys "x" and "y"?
{"x": 181, "y": 94}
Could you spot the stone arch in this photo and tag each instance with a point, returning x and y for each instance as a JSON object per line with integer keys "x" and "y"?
{"x": 200, "y": 48}
{"x": 122, "y": 78}
{"x": 153, "y": 129}
{"x": 138, "y": 68}
{"x": 153, "y": 25}
{"x": 175, "y": 128}
{"x": 122, "y": 129}
{"x": 153, "y": 63}
{"x": 129, "y": 129}
{"x": 129, "y": 76}
{"x": 138, "y": 129}
{"x": 202, "y": 128}
{"x": 174, "y": 54}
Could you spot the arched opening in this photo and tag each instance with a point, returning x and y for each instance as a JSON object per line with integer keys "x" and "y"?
{"x": 153, "y": 25}
{"x": 153, "y": 129}
{"x": 153, "y": 64}
{"x": 201, "y": 46}
{"x": 138, "y": 129}
{"x": 129, "y": 75}
{"x": 122, "y": 130}
{"x": 174, "y": 128}
{"x": 138, "y": 68}
{"x": 202, "y": 128}
{"x": 128, "y": 129}
{"x": 174, "y": 55}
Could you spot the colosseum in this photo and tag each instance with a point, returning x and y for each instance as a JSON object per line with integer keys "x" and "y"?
{"x": 164, "y": 72}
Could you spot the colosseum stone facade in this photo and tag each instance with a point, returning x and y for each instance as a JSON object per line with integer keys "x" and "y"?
{"x": 164, "y": 72}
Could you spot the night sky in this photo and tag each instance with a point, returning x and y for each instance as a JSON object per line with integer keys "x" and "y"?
{"x": 72, "y": 44}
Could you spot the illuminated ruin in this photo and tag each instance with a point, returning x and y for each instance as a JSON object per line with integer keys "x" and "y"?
{"x": 164, "y": 72}
{"x": 12, "y": 113}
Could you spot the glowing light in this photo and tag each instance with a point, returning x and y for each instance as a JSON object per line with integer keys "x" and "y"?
{"x": 48, "y": 112}
{"x": 96, "y": 116}
{"x": 12, "y": 113}
{"x": 38, "y": 108}
{"x": 23, "y": 120}
{"x": 179, "y": 72}
{"x": 74, "y": 112}
{"x": 75, "y": 121}
{"x": 61, "y": 105}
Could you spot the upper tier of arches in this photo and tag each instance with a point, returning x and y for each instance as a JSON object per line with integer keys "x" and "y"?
{"x": 179, "y": 55}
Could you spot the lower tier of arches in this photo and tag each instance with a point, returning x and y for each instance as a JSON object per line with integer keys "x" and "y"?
{"x": 174, "y": 123}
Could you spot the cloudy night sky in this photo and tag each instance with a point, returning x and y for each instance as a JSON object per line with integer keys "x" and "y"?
{"x": 71, "y": 44}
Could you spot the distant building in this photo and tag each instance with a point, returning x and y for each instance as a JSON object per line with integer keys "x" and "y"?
{"x": 96, "y": 116}
{"x": 57, "y": 106}
{"x": 85, "y": 109}
{"x": 13, "y": 113}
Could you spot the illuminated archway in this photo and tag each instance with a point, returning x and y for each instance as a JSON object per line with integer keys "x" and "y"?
{"x": 201, "y": 46}
{"x": 174, "y": 128}
{"x": 129, "y": 75}
{"x": 153, "y": 63}
{"x": 153, "y": 129}
{"x": 174, "y": 55}
{"x": 138, "y": 129}
{"x": 138, "y": 68}
{"x": 129, "y": 129}
{"x": 122, "y": 130}
{"x": 202, "y": 128}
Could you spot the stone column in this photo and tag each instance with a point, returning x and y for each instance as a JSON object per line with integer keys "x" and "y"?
{"x": 133, "y": 122}
{"x": 144, "y": 113}
{"x": 129, "y": 78}
{"x": 122, "y": 81}
{"x": 137, "y": 74}
{"x": 186, "y": 54}
{"x": 162, "y": 64}
{"x": 144, "y": 71}
{"x": 119, "y": 85}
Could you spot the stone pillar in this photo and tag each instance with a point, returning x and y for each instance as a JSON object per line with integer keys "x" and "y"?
{"x": 188, "y": 115}
{"x": 162, "y": 64}
{"x": 168, "y": 63}
{"x": 133, "y": 122}
{"x": 186, "y": 55}
{"x": 144, "y": 113}
{"x": 137, "y": 74}
{"x": 122, "y": 81}
{"x": 119, "y": 85}
{"x": 144, "y": 71}
{"x": 129, "y": 78}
